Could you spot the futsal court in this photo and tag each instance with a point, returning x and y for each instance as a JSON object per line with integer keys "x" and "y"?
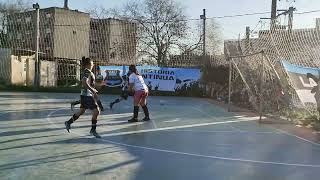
{"x": 187, "y": 138}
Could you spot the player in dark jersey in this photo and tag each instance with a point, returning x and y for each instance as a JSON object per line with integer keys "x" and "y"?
{"x": 124, "y": 93}
{"x": 88, "y": 98}
{"x": 99, "y": 80}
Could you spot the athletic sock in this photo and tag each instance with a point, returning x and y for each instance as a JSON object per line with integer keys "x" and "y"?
{"x": 146, "y": 111}
{"x": 73, "y": 119}
{"x": 135, "y": 112}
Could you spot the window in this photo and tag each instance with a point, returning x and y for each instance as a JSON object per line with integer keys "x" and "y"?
{"x": 47, "y": 50}
{"x": 48, "y": 31}
{"x": 48, "y": 15}
{"x": 93, "y": 54}
{"x": 19, "y": 36}
{"x": 28, "y": 27}
{"x": 74, "y": 32}
{"x": 25, "y": 65}
{"x": 113, "y": 55}
{"x": 47, "y": 39}
{"x": 18, "y": 27}
{"x": 94, "y": 27}
{"x": 28, "y": 19}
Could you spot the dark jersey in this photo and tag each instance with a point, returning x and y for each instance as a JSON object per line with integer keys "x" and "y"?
{"x": 87, "y": 74}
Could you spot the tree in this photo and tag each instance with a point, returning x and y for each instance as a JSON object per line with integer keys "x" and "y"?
{"x": 163, "y": 29}
{"x": 194, "y": 43}
{"x": 100, "y": 12}
{"x": 213, "y": 38}
{"x": 161, "y": 25}
{"x": 6, "y": 9}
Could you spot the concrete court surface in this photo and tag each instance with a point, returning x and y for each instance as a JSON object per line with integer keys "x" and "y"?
{"x": 188, "y": 138}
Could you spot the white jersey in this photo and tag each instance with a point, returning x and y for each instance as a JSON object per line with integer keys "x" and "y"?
{"x": 138, "y": 82}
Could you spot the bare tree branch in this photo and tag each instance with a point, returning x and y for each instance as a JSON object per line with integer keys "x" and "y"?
{"x": 161, "y": 23}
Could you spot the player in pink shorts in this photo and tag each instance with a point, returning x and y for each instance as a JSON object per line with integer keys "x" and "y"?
{"x": 140, "y": 89}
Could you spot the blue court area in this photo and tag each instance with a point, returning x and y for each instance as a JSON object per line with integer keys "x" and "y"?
{"x": 188, "y": 138}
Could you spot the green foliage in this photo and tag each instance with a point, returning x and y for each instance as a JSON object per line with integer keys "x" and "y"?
{"x": 218, "y": 74}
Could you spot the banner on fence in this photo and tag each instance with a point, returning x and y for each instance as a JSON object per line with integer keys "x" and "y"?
{"x": 156, "y": 78}
{"x": 305, "y": 81}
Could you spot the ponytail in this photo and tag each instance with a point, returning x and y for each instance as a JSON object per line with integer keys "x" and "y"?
{"x": 133, "y": 69}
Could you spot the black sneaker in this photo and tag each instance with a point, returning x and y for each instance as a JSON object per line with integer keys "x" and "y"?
{"x": 94, "y": 133}
{"x": 146, "y": 119}
{"x": 68, "y": 126}
{"x": 133, "y": 120}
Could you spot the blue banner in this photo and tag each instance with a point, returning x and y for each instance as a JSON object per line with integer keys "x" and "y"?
{"x": 305, "y": 82}
{"x": 156, "y": 78}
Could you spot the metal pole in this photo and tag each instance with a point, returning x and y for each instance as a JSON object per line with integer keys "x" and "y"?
{"x": 37, "y": 63}
{"x": 203, "y": 17}
{"x": 261, "y": 89}
{"x": 65, "y": 4}
{"x": 229, "y": 94}
{"x": 247, "y": 37}
{"x": 274, "y": 9}
{"x": 290, "y": 20}
{"x": 204, "y": 32}
{"x": 273, "y": 14}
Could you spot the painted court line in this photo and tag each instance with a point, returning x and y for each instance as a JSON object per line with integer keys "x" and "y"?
{"x": 177, "y": 127}
{"x": 170, "y": 121}
{"x": 245, "y": 132}
{"x": 282, "y": 131}
{"x": 236, "y": 129}
{"x": 193, "y": 154}
{"x": 292, "y": 135}
{"x": 214, "y": 157}
{"x": 154, "y": 124}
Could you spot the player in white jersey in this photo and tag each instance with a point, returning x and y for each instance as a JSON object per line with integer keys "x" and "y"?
{"x": 141, "y": 92}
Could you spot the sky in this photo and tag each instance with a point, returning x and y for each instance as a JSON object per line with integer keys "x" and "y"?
{"x": 229, "y": 27}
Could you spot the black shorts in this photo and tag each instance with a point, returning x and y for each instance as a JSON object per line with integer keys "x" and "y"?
{"x": 87, "y": 102}
{"x": 124, "y": 94}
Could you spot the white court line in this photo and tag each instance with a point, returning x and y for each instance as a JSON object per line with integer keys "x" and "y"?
{"x": 282, "y": 131}
{"x": 210, "y": 116}
{"x": 154, "y": 124}
{"x": 236, "y": 129}
{"x": 178, "y": 127}
{"x": 298, "y": 137}
{"x": 214, "y": 157}
{"x": 174, "y": 120}
{"x": 249, "y": 132}
{"x": 193, "y": 154}
{"x": 115, "y": 122}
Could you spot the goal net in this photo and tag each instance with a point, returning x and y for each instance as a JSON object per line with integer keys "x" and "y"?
{"x": 278, "y": 61}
